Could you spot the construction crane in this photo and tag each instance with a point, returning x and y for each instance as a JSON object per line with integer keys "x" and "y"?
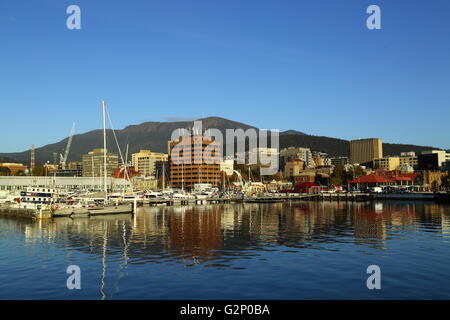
{"x": 63, "y": 161}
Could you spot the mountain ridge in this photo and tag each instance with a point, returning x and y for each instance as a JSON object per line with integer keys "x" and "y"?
{"x": 154, "y": 135}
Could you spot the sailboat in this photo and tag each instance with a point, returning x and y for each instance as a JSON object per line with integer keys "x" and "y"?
{"x": 108, "y": 208}
{"x": 86, "y": 206}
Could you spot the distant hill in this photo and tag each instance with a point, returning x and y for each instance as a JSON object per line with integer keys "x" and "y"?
{"x": 288, "y": 132}
{"x": 6, "y": 160}
{"x": 154, "y": 136}
{"x": 340, "y": 147}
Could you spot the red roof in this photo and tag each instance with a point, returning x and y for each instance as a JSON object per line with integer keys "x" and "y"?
{"x": 372, "y": 178}
{"x": 404, "y": 176}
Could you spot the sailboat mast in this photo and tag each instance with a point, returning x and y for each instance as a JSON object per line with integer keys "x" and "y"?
{"x": 163, "y": 176}
{"x": 105, "y": 185}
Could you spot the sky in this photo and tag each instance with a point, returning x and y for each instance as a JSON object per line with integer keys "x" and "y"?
{"x": 311, "y": 66}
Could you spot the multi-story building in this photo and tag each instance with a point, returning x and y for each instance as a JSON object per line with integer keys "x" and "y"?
{"x": 339, "y": 161}
{"x": 442, "y": 156}
{"x": 408, "y": 154}
{"x": 305, "y": 176}
{"x": 318, "y": 160}
{"x": 257, "y": 155}
{"x": 93, "y": 163}
{"x": 73, "y": 169}
{"x": 15, "y": 184}
{"x": 365, "y": 150}
{"x": 387, "y": 163}
{"x": 144, "y": 162}
{"x": 410, "y": 160}
{"x": 144, "y": 183}
{"x": 293, "y": 168}
{"x": 194, "y": 160}
{"x": 297, "y": 152}
{"x": 14, "y": 167}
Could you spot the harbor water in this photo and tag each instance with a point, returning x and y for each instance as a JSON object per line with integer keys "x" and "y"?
{"x": 290, "y": 250}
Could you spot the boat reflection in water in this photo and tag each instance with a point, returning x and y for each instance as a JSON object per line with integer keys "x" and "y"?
{"x": 280, "y": 250}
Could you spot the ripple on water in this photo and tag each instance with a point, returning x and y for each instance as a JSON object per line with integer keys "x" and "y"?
{"x": 296, "y": 250}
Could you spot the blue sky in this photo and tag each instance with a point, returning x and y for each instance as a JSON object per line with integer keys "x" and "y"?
{"x": 312, "y": 66}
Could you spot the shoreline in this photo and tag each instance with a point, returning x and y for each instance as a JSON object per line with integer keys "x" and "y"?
{"x": 438, "y": 198}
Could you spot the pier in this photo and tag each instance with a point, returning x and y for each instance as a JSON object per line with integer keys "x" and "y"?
{"x": 6, "y": 210}
{"x": 259, "y": 199}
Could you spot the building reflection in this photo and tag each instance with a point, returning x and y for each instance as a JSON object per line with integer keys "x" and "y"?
{"x": 197, "y": 234}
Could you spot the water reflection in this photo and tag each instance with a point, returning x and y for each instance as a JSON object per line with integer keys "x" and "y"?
{"x": 201, "y": 233}
{"x": 217, "y": 235}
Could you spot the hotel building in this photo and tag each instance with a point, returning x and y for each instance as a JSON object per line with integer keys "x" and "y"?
{"x": 194, "y": 160}
{"x": 365, "y": 150}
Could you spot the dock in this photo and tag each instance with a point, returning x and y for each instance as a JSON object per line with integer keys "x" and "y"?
{"x": 260, "y": 199}
{"x": 26, "y": 213}
{"x": 125, "y": 207}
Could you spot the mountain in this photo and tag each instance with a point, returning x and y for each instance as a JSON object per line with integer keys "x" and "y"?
{"x": 5, "y": 160}
{"x": 288, "y": 132}
{"x": 154, "y": 136}
{"x": 148, "y": 135}
{"x": 340, "y": 147}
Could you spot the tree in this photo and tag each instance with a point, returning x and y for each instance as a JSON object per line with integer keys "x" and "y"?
{"x": 4, "y": 171}
{"x": 445, "y": 182}
{"x": 20, "y": 173}
{"x": 277, "y": 176}
{"x": 359, "y": 172}
{"x": 338, "y": 177}
{"x": 38, "y": 171}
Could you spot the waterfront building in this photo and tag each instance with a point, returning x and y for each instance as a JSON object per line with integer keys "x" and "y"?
{"x": 73, "y": 169}
{"x": 428, "y": 161}
{"x": 14, "y": 168}
{"x": 409, "y": 159}
{"x": 257, "y": 154}
{"x": 17, "y": 184}
{"x": 433, "y": 179}
{"x": 93, "y": 163}
{"x": 387, "y": 163}
{"x": 318, "y": 160}
{"x": 276, "y": 186}
{"x": 297, "y": 152}
{"x": 194, "y": 159}
{"x": 365, "y": 150}
{"x": 408, "y": 154}
{"x": 144, "y": 162}
{"x": 144, "y": 183}
{"x": 326, "y": 161}
{"x": 339, "y": 161}
{"x": 121, "y": 173}
{"x": 51, "y": 169}
{"x": 305, "y": 176}
{"x": 442, "y": 156}
{"x": 293, "y": 168}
